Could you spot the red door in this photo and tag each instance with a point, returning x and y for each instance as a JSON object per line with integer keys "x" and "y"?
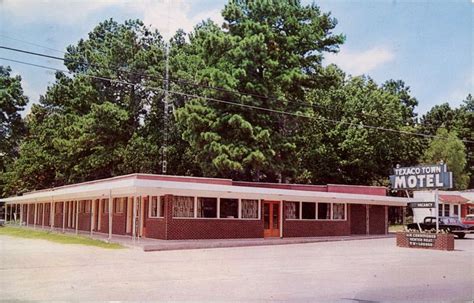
{"x": 271, "y": 219}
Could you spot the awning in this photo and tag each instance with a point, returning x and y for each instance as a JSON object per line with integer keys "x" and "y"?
{"x": 452, "y": 199}
{"x": 143, "y": 184}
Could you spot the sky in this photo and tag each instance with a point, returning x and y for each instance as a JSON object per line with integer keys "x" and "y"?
{"x": 427, "y": 44}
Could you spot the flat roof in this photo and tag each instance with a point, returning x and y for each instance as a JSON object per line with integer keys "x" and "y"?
{"x": 149, "y": 184}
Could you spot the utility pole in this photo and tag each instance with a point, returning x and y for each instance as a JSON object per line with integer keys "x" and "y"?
{"x": 164, "y": 161}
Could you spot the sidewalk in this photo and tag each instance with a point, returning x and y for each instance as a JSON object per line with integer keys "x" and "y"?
{"x": 148, "y": 244}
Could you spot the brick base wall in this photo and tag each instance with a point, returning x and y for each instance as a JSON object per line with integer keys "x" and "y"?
{"x": 104, "y": 223}
{"x": 84, "y": 220}
{"x": 155, "y": 228}
{"x": 118, "y": 224}
{"x": 442, "y": 241}
{"x": 301, "y": 228}
{"x": 376, "y": 220}
{"x": 214, "y": 229}
{"x": 357, "y": 213}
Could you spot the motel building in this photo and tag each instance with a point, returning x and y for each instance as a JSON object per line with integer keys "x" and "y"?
{"x": 174, "y": 207}
{"x": 456, "y": 204}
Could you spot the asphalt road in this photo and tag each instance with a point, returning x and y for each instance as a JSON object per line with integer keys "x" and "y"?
{"x": 362, "y": 270}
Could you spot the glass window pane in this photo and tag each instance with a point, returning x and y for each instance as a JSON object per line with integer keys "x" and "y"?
{"x": 324, "y": 211}
{"x": 183, "y": 207}
{"x": 446, "y": 210}
{"x": 455, "y": 210}
{"x": 207, "y": 207}
{"x": 249, "y": 209}
{"x": 292, "y": 210}
{"x": 338, "y": 211}
{"x": 229, "y": 208}
{"x": 162, "y": 206}
{"x": 154, "y": 207}
{"x": 88, "y": 206}
{"x": 276, "y": 215}
{"x": 308, "y": 210}
{"x": 266, "y": 216}
{"x": 440, "y": 210}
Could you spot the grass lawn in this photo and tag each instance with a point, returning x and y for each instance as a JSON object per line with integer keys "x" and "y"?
{"x": 395, "y": 228}
{"x": 55, "y": 237}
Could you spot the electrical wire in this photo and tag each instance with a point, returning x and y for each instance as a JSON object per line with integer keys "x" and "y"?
{"x": 158, "y": 77}
{"x": 357, "y": 125}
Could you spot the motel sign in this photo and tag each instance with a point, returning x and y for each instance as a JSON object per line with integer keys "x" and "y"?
{"x": 422, "y": 177}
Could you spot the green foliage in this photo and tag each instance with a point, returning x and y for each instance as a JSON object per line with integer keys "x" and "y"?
{"x": 449, "y": 148}
{"x": 12, "y": 128}
{"x": 272, "y": 51}
{"x": 55, "y": 237}
{"x": 342, "y": 149}
{"x": 460, "y": 120}
{"x": 87, "y": 128}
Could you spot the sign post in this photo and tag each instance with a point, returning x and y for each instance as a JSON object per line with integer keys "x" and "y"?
{"x": 437, "y": 210}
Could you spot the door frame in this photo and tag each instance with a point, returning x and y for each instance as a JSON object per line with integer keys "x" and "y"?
{"x": 272, "y": 232}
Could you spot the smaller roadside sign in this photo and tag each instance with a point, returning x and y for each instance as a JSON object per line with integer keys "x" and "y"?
{"x": 422, "y": 204}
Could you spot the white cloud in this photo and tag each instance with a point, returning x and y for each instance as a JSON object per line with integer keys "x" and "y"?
{"x": 361, "y": 62}
{"x": 165, "y": 15}
{"x": 168, "y": 16}
{"x": 68, "y": 12}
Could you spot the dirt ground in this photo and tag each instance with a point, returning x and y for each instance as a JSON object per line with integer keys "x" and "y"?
{"x": 372, "y": 270}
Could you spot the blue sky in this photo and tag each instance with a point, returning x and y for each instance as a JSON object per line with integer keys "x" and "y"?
{"x": 428, "y": 44}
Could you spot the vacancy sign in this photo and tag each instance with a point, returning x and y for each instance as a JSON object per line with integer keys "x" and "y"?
{"x": 422, "y": 177}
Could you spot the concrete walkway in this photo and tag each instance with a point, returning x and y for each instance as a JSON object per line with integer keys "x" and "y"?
{"x": 148, "y": 244}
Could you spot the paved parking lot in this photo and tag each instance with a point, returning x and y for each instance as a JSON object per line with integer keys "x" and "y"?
{"x": 372, "y": 270}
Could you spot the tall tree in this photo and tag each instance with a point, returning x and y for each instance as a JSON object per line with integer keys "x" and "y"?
{"x": 346, "y": 142}
{"x": 449, "y": 148}
{"x": 87, "y": 127}
{"x": 12, "y": 127}
{"x": 271, "y": 51}
{"x": 460, "y": 120}
{"x": 465, "y": 129}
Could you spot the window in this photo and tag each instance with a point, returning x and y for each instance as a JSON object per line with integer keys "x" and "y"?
{"x": 119, "y": 205}
{"x": 292, "y": 210}
{"x": 249, "y": 209}
{"x": 183, "y": 207}
{"x": 446, "y": 210}
{"x": 162, "y": 207}
{"x": 84, "y": 206}
{"x": 455, "y": 210}
{"x": 324, "y": 211}
{"x": 105, "y": 206}
{"x": 87, "y": 206}
{"x": 308, "y": 210}
{"x": 470, "y": 210}
{"x": 157, "y": 207}
{"x": 229, "y": 208}
{"x": 338, "y": 211}
{"x": 440, "y": 210}
{"x": 206, "y": 207}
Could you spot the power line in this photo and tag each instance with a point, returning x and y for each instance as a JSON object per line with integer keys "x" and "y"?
{"x": 238, "y": 104}
{"x": 170, "y": 79}
{"x": 32, "y": 43}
